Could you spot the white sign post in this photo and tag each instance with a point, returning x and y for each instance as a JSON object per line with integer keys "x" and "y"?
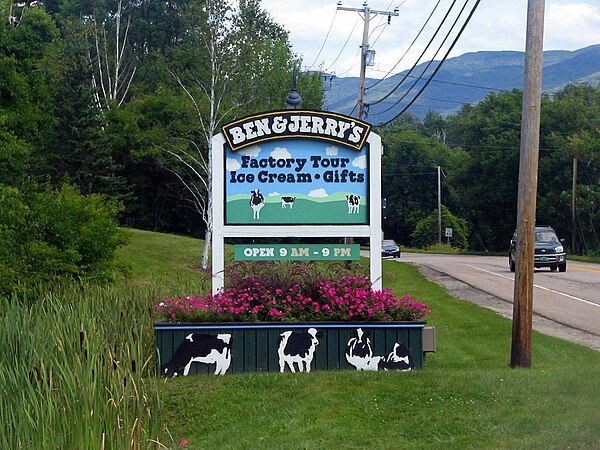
{"x": 296, "y": 174}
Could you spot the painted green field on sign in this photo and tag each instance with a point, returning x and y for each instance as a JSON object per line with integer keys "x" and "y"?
{"x": 303, "y": 211}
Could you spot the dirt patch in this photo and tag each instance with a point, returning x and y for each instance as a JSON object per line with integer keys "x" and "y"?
{"x": 504, "y": 308}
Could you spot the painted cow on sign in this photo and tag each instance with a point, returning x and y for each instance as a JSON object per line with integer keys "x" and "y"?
{"x": 353, "y": 203}
{"x": 359, "y": 353}
{"x": 285, "y": 201}
{"x": 398, "y": 359}
{"x": 297, "y": 347}
{"x": 202, "y": 348}
{"x": 257, "y": 201}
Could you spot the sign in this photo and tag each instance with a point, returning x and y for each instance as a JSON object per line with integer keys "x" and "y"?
{"x": 296, "y": 174}
{"x": 272, "y": 177}
{"x": 331, "y": 127}
{"x": 276, "y": 252}
{"x": 449, "y": 232}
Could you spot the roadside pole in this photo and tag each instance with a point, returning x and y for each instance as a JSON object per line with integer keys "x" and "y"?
{"x": 528, "y": 172}
{"x": 367, "y": 13}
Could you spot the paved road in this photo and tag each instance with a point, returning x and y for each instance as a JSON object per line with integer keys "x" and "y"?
{"x": 565, "y": 304}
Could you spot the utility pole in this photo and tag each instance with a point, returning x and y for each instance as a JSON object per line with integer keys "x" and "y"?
{"x": 574, "y": 209}
{"x": 367, "y": 13}
{"x": 439, "y": 176}
{"x": 528, "y": 172}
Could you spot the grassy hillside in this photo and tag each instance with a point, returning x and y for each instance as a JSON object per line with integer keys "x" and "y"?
{"x": 467, "y": 397}
{"x": 84, "y": 377}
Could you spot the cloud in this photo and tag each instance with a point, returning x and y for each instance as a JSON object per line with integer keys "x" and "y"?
{"x": 561, "y": 20}
{"x": 318, "y": 193}
{"x": 232, "y": 165}
{"x": 280, "y": 153}
{"x": 360, "y": 162}
{"x": 330, "y": 39}
{"x": 273, "y": 194}
{"x": 331, "y": 151}
{"x": 253, "y": 150}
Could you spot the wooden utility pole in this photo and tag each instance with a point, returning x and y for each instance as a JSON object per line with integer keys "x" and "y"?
{"x": 528, "y": 171}
{"x": 439, "y": 186}
{"x": 574, "y": 209}
{"x": 367, "y": 13}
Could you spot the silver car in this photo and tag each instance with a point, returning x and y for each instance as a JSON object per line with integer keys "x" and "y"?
{"x": 390, "y": 248}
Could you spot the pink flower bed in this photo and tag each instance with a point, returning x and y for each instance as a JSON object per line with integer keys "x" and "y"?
{"x": 349, "y": 298}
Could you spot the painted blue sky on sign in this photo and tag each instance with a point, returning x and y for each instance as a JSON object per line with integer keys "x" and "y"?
{"x": 330, "y": 169}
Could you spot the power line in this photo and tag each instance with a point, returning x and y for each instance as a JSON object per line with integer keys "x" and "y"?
{"x": 324, "y": 41}
{"x": 463, "y": 210}
{"x": 428, "y": 64}
{"x": 344, "y": 46}
{"x": 457, "y": 83}
{"x": 367, "y": 12}
{"x": 439, "y": 65}
{"x": 467, "y": 145}
{"x": 409, "y": 47}
{"x": 419, "y": 59}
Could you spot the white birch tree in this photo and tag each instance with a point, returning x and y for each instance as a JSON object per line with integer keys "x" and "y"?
{"x": 248, "y": 67}
{"x": 111, "y": 59}
{"x": 208, "y": 98}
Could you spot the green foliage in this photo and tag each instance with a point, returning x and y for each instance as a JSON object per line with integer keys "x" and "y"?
{"x": 77, "y": 369}
{"x": 56, "y": 233}
{"x": 29, "y": 73}
{"x": 54, "y": 121}
{"x": 427, "y": 231}
{"x": 499, "y": 407}
{"x": 479, "y": 151}
{"x": 14, "y": 157}
{"x": 78, "y": 366}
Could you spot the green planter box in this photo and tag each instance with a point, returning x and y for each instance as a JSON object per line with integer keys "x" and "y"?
{"x": 219, "y": 348}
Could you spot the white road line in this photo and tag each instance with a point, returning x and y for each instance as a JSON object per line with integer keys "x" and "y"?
{"x": 538, "y": 286}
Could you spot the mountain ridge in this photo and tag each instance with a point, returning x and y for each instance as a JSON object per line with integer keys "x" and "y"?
{"x": 467, "y": 78}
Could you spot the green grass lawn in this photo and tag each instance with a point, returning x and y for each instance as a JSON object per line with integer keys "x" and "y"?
{"x": 466, "y": 397}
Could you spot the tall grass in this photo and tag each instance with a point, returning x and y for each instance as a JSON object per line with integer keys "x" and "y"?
{"x": 77, "y": 369}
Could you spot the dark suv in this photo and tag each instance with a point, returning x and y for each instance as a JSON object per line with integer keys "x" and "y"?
{"x": 549, "y": 250}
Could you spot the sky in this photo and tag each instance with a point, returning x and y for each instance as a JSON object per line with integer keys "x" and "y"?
{"x": 329, "y": 40}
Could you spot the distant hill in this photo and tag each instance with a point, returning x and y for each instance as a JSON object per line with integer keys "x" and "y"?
{"x": 465, "y": 79}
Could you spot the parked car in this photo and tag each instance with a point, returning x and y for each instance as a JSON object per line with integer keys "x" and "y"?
{"x": 549, "y": 250}
{"x": 390, "y": 248}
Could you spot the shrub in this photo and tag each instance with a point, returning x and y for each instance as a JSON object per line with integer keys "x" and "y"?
{"x": 426, "y": 230}
{"x": 55, "y": 233}
{"x": 298, "y": 293}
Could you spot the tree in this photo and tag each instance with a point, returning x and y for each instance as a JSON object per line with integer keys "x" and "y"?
{"x": 574, "y": 118}
{"x": 111, "y": 57}
{"x": 489, "y": 136}
{"x": 248, "y": 62}
{"x": 409, "y": 175}
{"x": 29, "y": 74}
{"x": 426, "y": 231}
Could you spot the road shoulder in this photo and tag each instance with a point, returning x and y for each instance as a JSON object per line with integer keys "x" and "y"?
{"x": 463, "y": 291}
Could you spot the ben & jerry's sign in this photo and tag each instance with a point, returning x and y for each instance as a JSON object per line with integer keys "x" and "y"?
{"x": 296, "y": 168}
{"x": 284, "y": 124}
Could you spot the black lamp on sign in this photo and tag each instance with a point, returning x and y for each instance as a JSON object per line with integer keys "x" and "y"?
{"x": 293, "y": 100}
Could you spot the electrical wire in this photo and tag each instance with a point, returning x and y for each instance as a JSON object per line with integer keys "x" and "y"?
{"x": 344, "y": 46}
{"x": 487, "y": 88}
{"x": 349, "y": 69}
{"x": 428, "y": 64}
{"x": 462, "y": 208}
{"x": 419, "y": 59}
{"x": 408, "y": 49}
{"x": 439, "y": 65}
{"x": 381, "y": 24}
{"x": 325, "y": 40}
